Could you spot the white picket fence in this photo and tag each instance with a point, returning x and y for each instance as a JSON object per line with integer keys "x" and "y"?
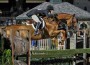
{"x": 43, "y": 44}
{"x": 46, "y": 44}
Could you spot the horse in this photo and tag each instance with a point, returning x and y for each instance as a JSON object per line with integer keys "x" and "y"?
{"x": 51, "y": 28}
{"x": 49, "y": 31}
{"x": 51, "y": 25}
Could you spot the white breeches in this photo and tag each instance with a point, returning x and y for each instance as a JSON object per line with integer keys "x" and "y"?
{"x": 35, "y": 18}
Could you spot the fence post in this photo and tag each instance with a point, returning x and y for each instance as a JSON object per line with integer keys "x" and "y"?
{"x": 73, "y": 45}
{"x": 84, "y": 46}
{"x": 29, "y": 47}
{"x": 65, "y": 45}
{"x": 12, "y": 44}
{"x": 73, "y": 41}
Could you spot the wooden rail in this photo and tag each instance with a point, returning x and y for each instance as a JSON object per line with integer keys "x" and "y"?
{"x": 57, "y": 53}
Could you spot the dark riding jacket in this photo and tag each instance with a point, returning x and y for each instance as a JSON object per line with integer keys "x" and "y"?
{"x": 40, "y": 12}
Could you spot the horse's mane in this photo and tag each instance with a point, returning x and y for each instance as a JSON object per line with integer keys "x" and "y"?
{"x": 51, "y": 19}
{"x": 65, "y": 16}
{"x": 65, "y": 13}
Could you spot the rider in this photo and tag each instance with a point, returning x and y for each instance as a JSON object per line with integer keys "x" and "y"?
{"x": 35, "y": 15}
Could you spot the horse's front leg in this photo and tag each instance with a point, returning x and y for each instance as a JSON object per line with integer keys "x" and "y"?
{"x": 54, "y": 32}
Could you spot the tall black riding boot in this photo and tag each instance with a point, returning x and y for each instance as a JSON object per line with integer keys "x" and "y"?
{"x": 37, "y": 27}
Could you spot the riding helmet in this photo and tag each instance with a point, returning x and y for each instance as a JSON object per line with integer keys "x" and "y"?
{"x": 50, "y": 7}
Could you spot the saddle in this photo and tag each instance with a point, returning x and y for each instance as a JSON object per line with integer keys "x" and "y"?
{"x": 34, "y": 23}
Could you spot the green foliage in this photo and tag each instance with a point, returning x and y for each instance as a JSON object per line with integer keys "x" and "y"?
{"x": 6, "y": 57}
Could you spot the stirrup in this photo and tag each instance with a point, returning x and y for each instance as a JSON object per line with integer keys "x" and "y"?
{"x": 36, "y": 33}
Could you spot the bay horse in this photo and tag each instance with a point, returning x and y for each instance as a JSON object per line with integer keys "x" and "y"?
{"x": 51, "y": 27}
{"x": 49, "y": 31}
